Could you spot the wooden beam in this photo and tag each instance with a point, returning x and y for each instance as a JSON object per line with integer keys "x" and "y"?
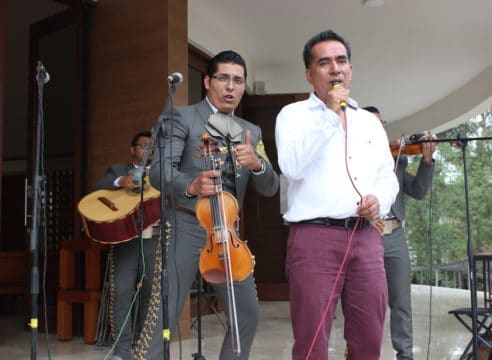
{"x": 74, "y": 2}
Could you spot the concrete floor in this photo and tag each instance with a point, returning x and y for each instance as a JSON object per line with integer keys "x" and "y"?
{"x": 274, "y": 337}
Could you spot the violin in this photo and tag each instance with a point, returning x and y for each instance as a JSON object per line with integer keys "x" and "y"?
{"x": 406, "y": 149}
{"x": 225, "y": 258}
{"x": 224, "y": 253}
{"x": 407, "y": 145}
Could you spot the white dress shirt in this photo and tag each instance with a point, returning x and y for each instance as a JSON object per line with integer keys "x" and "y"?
{"x": 311, "y": 154}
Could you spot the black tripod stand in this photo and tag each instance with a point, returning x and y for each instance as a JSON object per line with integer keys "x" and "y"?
{"x": 38, "y": 191}
{"x": 198, "y": 355}
{"x": 462, "y": 144}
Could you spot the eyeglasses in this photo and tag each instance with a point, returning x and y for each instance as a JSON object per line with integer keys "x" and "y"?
{"x": 225, "y": 78}
{"x": 142, "y": 145}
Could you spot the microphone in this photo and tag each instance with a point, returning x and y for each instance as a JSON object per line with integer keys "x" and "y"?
{"x": 336, "y": 84}
{"x": 138, "y": 173}
{"x": 175, "y": 78}
{"x": 42, "y": 76}
{"x": 137, "y": 176}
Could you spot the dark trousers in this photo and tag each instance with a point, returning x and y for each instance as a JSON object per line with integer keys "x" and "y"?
{"x": 398, "y": 273}
{"x": 127, "y": 269}
{"x": 183, "y": 261}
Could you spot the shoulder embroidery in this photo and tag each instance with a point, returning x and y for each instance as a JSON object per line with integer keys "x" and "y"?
{"x": 260, "y": 150}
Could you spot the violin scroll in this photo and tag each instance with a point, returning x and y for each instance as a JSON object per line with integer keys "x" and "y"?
{"x": 208, "y": 148}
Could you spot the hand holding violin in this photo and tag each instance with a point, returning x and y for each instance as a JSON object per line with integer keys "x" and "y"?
{"x": 415, "y": 146}
{"x": 428, "y": 148}
{"x": 204, "y": 184}
{"x": 246, "y": 154}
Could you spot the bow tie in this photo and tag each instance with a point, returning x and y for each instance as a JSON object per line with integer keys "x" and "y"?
{"x": 224, "y": 126}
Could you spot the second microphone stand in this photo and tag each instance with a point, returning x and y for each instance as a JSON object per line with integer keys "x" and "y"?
{"x": 462, "y": 143}
{"x": 198, "y": 355}
{"x": 158, "y": 133}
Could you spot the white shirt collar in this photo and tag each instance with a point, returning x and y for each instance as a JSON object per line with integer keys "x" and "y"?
{"x": 214, "y": 109}
{"x": 317, "y": 102}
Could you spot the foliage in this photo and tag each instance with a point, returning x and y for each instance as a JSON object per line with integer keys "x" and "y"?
{"x": 444, "y": 207}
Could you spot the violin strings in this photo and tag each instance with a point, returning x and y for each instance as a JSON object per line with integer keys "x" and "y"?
{"x": 221, "y": 234}
{"x": 235, "y": 342}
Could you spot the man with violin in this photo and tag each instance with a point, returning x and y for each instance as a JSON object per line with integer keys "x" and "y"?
{"x": 239, "y": 158}
{"x": 339, "y": 170}
{"x": 396, "y": 255}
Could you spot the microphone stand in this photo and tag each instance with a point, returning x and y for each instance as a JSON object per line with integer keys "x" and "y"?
{"x": 158, "y": 129}
{"x": 462, "y": 144}
{"x": 38, "y": 187}
{"x": 198, "y": 355}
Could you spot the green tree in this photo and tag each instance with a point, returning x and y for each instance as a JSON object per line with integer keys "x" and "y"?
{"x": 436, "y": 226}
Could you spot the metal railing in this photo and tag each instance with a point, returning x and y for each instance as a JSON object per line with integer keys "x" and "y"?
{"x": 453, "y": 275}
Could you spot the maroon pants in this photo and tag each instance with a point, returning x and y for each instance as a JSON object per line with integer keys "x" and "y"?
{"x": 314, "y": 256}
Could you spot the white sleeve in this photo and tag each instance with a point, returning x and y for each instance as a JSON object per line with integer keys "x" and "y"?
{"x": 300, "y": 135}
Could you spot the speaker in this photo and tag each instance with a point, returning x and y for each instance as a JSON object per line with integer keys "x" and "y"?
{"x": 259, "y": 87}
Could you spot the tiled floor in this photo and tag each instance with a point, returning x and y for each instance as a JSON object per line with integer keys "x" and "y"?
{"x": 274, "y": 336}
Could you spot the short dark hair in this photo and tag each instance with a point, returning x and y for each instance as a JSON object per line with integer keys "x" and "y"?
{"x": 226, "y": 56}
{"x": 323, "y": 36}
{"x": 372, "y": 109}
{"x": 139, "y": 135}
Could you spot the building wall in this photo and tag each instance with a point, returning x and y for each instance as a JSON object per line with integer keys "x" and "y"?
{"x": 133, "y": 48}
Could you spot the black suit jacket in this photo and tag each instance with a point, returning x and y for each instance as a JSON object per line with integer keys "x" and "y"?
{"x": 415, "y": 186}
{"x": 114, "y": 171}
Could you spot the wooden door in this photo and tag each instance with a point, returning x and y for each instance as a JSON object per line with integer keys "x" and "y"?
{"x": 264, "y": 227}
{"x": 58, "y": 43}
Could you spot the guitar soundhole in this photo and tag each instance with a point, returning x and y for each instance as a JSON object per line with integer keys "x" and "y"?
{"x": 108, "y": 203}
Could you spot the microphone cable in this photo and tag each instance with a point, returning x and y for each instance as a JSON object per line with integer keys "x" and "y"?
{"x": 347, "y": 250}
{"x": 139, "y": 284}
{"x": 44, "y": 208}
{"x": 172, "y": 225}
{"x": 45, "y": 272}
{"x": 40, "y": 183}
{"x": 431, "y": 260}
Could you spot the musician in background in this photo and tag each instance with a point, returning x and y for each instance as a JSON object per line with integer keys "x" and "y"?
{"x": 126, "y": 270}
{"x": 396, "y": 256}
{"x": 244, "y": 161}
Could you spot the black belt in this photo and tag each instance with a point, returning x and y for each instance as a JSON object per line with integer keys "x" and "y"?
{"x": 347, "y": 223}
{"x": 180, "y": 208}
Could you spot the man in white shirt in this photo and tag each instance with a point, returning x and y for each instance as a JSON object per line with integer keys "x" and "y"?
{"x": 339, "y": 169}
